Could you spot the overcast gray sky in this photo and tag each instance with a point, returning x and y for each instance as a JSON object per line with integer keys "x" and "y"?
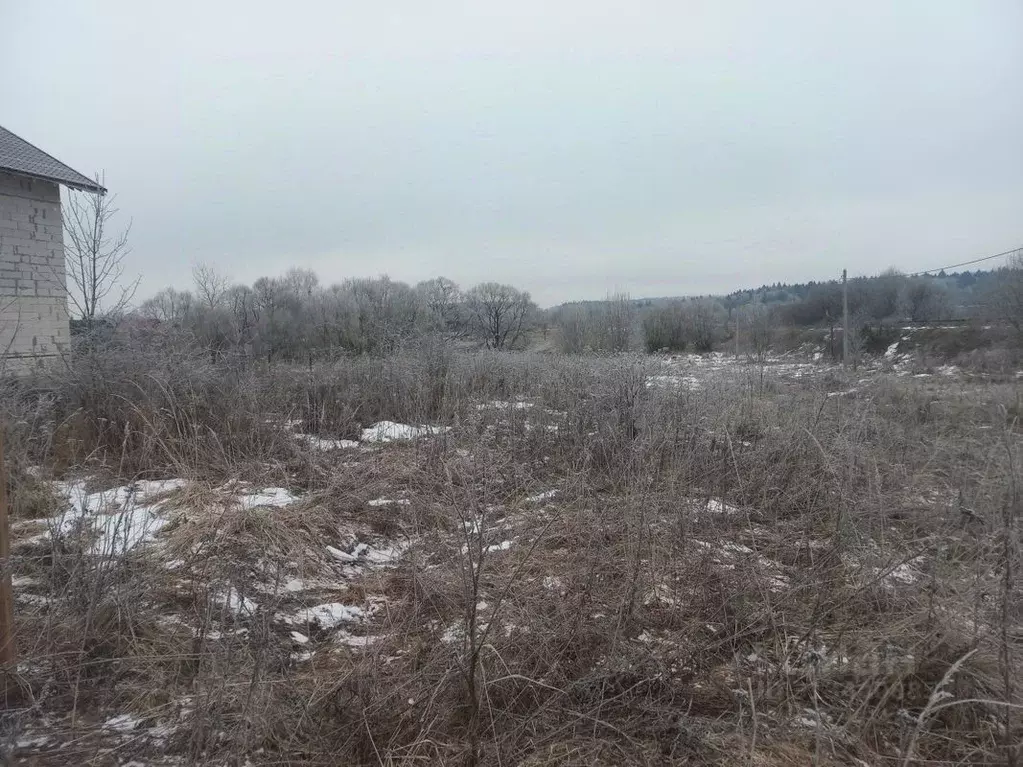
{"x": 570, "y": 148}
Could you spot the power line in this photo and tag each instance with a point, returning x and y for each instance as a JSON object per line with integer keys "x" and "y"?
{"x": 1003, "y": 254}
{"x": 967, "y": 263}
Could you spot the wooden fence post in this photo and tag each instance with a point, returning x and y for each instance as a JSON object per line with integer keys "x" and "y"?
{"x": 7, "y": 654}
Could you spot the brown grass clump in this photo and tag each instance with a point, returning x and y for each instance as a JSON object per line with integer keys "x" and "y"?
{"x": 602, "y": 562}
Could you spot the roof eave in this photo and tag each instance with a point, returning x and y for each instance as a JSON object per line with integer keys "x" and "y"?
{"x": 89, "y": 187}
{"x": 82, "y": 186}
{"x": 85, "y": 184}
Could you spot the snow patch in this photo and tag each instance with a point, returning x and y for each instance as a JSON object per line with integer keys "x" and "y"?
{"x": 319, "y": 443}
{"x": 363, "y": 553}
{"x": 32, "y": 599}
{"x": 326, "y": 616}
{"x": 841, "y": 393}
{"x": 387, "y": 555}
{"x": 355, "y": 641}
{"x": 121, "y": 723}
{"x": 453, "y": 634}
{"x": 235, "y": 602}
{"x": 376, "y": 502}
{"x": 541, "y": 497}
{"x": 905, "y": 573}
{"x": 554, "y": 583}
{"x": 277, "y": 497}
{"x": 673, "y": 382}
{"x": 715, "y": 506}
{"x": 37, "y": 741}
{"x": 506, "y": 405}
{"x": 389, "y": 431}
{"x": 727, "y": 553}
{"x": 117, "y": 517}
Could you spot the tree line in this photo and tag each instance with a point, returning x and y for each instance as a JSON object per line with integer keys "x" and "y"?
{"x": 295, "y": 317}
{"x": 876, "y": 305}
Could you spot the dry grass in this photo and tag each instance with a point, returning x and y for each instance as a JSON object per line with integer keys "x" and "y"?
{"x": 747, "y": 572}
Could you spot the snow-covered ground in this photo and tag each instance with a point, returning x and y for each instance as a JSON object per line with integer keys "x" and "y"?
{"x": 695, "y": 371}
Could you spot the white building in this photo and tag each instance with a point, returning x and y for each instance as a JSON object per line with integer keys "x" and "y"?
{"x": 33, "y": 292}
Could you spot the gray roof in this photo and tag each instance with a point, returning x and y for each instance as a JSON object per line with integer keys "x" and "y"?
{"x": 19, "y": 156}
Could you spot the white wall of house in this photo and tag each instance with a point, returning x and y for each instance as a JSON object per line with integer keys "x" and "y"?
{"x": 33, "y": 297}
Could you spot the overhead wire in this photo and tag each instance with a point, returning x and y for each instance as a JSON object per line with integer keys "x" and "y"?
{"x": 1003, "y": 254}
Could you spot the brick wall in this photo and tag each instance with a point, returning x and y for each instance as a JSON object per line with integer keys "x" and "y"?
{"x": 33, "y": 299}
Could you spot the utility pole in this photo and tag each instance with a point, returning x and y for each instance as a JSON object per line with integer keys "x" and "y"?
{"x": 7, "y": 656}
{"x": 845, "y": 320}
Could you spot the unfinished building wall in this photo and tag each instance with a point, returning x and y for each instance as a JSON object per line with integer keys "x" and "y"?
{"x": 33, "y": 298}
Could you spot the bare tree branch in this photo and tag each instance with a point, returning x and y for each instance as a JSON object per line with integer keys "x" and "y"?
{"x": 94, "y": 257}
{"x": 210, "y": 286}
{"x": 498, "y": 313}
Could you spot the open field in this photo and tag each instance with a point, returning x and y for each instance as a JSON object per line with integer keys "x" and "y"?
{"x": 515, "y": 559}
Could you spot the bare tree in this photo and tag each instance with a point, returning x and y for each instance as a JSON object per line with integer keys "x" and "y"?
{"x": 443, "y": 303}
{"x": 759, "y": 328}
{"x": 925, "y": 300}
{"x": 210, "y": 286}
{"x": 1008, "y": 293}
{"x": 664, "y": 327}
{"x": 269, "y": 310}
{"x": 573, "y": 326}
{"x": 610, "y": 325}
{"x": 883, "y": 294}
{"x": 498, "y": 313}
{"x": 95, "y": 257}
{"x": 859, "y": 328}
{"x": 695, "y": 324}
{"x": 301, "y": 282}
{"x": 213, "y": 323}
{"x": 389, "y": 313}
{"x": 240, "y": 301}
{"x": 169, "y": 305}
{"x": 617, "y": 322}
{"x": 705, "y": 321}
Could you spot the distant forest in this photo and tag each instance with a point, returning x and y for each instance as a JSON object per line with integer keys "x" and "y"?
{"x": 960, "y": 295}
{"x": 700, "y": 323}
{"x": 295, "y": 317}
